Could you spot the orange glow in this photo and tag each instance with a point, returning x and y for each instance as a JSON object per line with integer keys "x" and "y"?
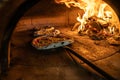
{"x": 97, "y": 8}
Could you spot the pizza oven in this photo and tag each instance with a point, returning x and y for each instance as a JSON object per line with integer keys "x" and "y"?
{"x": 91, "y": 25}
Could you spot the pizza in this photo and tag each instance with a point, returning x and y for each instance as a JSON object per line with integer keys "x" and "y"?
{"x": 47, "y": 31}
{"x": 49, "y": 42}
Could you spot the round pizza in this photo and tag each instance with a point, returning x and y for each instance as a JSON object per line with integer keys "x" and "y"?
{"x": 47, "y": 31}
{"x": 43, "y": 42}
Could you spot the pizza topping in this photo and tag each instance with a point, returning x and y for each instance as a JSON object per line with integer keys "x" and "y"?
{"x": 47, "y": 31}
{"x": 42, "y": 42}
{"x": 49, "y": 37}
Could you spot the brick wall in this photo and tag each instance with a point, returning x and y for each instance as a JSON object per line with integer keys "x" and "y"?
{"x": 65, "y": 18}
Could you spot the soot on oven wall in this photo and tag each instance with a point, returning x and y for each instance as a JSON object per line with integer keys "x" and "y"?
{"x": 90, "y": 27}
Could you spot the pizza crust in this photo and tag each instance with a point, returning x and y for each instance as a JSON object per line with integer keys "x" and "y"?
{"x": 44, "y": 43}
{"x": 47, "y": 31}
{"x": 49, "y": 37}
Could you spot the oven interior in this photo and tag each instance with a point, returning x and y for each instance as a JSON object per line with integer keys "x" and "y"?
{"x": 96, "y": 39}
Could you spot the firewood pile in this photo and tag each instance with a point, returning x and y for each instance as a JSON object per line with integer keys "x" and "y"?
{"x": 98, "y": 28}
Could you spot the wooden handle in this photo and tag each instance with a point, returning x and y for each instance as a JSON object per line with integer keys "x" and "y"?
{"x": 97, "y": 69}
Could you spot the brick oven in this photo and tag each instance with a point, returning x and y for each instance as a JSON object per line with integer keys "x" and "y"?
{"x": 94, "y": 27}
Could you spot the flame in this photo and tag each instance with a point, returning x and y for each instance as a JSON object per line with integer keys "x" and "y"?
{"x": 104, "y": 13}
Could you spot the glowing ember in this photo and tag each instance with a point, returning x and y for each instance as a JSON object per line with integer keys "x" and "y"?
{"x": 99, "y": 18}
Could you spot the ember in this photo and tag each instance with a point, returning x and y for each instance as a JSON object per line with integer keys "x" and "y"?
{"x": 99, "y": 21}
{"x": 94, "y": 28}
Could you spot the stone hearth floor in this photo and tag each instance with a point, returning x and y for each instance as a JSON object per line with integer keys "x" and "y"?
{"x": 27, "y": 63}
{"x": 36, "y": 65}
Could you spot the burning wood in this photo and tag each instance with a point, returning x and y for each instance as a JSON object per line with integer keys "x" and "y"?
{"x": 98, "y": 21}
{"x": 97, "y": 28}
{"x": 75, "y": 26}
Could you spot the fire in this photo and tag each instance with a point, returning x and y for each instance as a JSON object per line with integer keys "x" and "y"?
{"x": 98, "y": 16}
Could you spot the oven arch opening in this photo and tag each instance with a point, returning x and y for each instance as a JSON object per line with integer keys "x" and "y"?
{"x": 9, "y": 29}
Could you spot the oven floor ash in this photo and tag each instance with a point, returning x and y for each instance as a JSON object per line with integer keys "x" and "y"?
{"x": 27, "y": 63}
